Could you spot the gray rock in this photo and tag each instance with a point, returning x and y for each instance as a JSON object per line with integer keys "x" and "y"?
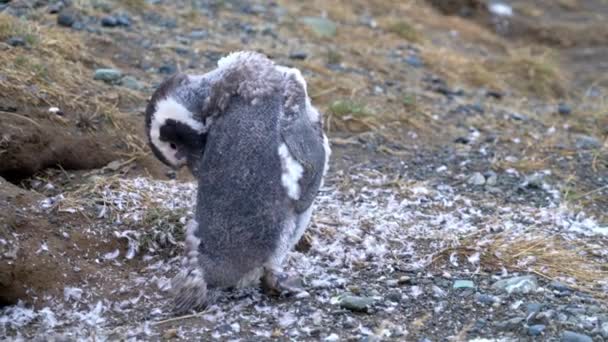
{"x": 491, "y": 178}
{"x": 414, "y": 61}
{"x": 463, "y": 284}
{"x": 532, "y": 309}
{"x": 559, "y": 286}
{"x": 510, "y": 324}
{"x": 66, "y": 18}
{"x": 570, "y": 336}
{"x": 536, "y": 330}
{"x": 523, "y": 284}
{"x": 356, "y": 303}
{"x": 587, "y": 142}
{"x": 394, "y": 296}
{"x": 198, "y": 34}
{"x": 301, "y": 55}
{"x": 131, "y": 83}
{"x": 485, "y": 298}
{"x": 321, "y": 26}
{"x": 107, "y": 75}
{"x": 477, "y": 179}
{"x": 109, "y": 21}
{"x": 167, "y": 69}
{"x": 564, "y": 109}
{"x": 534, "y": 181}
{"x": 604, "y": 330}
{"x": 16, "y": 41}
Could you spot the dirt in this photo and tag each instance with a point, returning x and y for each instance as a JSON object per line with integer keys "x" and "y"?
{"x": 431, "y": 92}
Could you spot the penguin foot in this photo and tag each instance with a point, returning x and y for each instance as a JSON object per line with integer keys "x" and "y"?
{"x": 279, "y": 283}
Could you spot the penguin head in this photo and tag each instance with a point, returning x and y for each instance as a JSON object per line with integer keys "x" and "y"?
{"x": 175, "y": 128}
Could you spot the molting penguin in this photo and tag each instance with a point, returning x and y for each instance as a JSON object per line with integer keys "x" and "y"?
{"x": 250, "y": 135}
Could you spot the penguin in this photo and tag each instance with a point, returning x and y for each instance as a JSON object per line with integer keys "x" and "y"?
{"x": 251, "y": 137}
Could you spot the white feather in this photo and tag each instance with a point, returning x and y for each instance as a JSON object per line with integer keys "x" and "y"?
{"x": 292, "y": 172}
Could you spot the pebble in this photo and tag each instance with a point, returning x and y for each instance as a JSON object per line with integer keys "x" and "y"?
{"x": 570, "y": 336}
{"x": 491, "y": 178}
{"x": 604, "y": 330}
{"x": 16, "y": 41}
{"x": 532, "y": 309}
{"x": 485, "y": 298}
{"x": 198, "y": 34}
{"x": 477, "y": 179}
{"x": 403, "y": 280}
{"x": 109, "y": 21}
{"x": 167, "y": 69}
{"x": 300, "y": 55}
{"x": 394, "y": 296}
{"x": 131, "y": 83}
{"x": 564, "y": 109}
{"x": 536, "y": 330}
{"x": 510, "y": 324}
{"x": 463, "y": 284}
{"x": 414, "y": 61}
{"x": 66, "y": 18}
{"x": 559, "y": 286}
{"x": 107, "y": 75}
{"x": 522, "y": 284}
{"x": 587, "y": 142}
{"x": 356, "y": 303}
{"x": 321, "y": 26}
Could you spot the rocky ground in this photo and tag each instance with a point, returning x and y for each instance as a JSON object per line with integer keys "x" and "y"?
{"x": 466, "y": 200}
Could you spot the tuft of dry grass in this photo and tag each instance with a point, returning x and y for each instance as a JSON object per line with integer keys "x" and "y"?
{"x": 549, "y": 257}
{"x": 55, "y": 69}
{"x": 404, "y": 30}
{"x": 351, "y": 116}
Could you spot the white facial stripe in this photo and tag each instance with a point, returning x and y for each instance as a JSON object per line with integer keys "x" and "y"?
{"x": 167, "y": 109}
{"x": 292, "y": 172}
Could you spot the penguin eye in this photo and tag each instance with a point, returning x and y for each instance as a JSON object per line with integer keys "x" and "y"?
{"x": 173, "y": 146}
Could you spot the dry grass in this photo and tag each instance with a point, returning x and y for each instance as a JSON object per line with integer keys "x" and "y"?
{"x": 404, "y": 30}
{"x": 549, "y": 257}
{"x": 55, "y": 69}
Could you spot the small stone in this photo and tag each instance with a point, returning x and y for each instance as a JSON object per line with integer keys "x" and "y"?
{"x": 109, "y": 21}
{"x": 394, "y": 296}
{"x": 167, "y": 69}
{"x": 486, "y": 299}
{"x": 495, "y": 94}
{"x": 463, "y": 284}
{"x": 131, "y": 83}
{"x": 491, "y": 178}
{"x": 559, "y": 286}
{"x": 532, "y": 309}
{"x": 16, "y": 41}
{"x": 198, "y": 34}
{"x": 403, "y": 280}
{"x": 321, "y": 26}
{"x": 534, "y": 181}
{"x": 123, "y": 20}
{"x": 564, "y": 109}
{"x": 301, "y": 55}
{"x": 570, "y": 336}
{"x": 107, "y": 75}
{"x": 523, "y": 284}
{"x": 66, "y": 18}
{"x": 510, "y": 324}
{"x": 587, "y": 142}
{"x": 414, "y": 61}
{"x": 477, "y": 179}
{"x": 536, "y": 330}
{"x": 55, "y": 8}
{"x": 356, "y": 303}
{"x": 170, "y": 333}
{"x": 604, "y": 330}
